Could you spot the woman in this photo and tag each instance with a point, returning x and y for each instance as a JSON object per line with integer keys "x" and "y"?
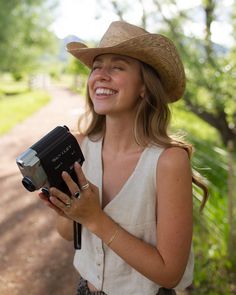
{"x": 134, "y": 194}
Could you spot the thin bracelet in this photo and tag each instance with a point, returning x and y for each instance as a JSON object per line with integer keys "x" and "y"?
{"x": 113, "y": 237}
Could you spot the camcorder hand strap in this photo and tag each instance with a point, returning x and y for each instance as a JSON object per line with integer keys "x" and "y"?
{"x": 77, "y": 235}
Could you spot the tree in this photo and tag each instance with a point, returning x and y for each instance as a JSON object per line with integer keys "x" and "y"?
{"x": 79, "y": 72}
{"x": 24, "y": 33}
{"x": 210, "y": 67}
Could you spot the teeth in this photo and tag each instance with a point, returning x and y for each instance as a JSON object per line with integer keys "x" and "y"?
{"x": 104, "y": 91}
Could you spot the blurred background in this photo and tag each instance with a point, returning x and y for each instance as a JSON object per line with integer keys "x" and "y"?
{"x": 37, "y": 74}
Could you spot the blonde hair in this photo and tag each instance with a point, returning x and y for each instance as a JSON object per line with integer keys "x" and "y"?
{"x": 151, "y": 122}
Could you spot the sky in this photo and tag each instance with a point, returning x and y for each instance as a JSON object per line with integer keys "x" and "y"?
{"x": 80, "y": 18}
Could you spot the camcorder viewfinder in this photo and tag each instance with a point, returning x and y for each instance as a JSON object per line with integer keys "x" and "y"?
{"x": 42, "y": 164}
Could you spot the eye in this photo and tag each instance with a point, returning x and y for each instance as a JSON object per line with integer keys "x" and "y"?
{"x": 94, "y": 68}
{"x": 118, "y": 67}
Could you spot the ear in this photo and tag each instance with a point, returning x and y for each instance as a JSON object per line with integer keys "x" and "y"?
{"x": 143, "y": 91}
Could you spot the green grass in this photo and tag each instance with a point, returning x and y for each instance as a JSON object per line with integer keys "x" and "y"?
{"x": 15, "y": 108}
{"x": 10, "y": 87}
{"x": 13, "y": 88}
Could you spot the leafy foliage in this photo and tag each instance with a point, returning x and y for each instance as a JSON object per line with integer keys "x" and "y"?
{"x": 214, "y": 271}
{"x": 80, "y": 73}
{"x": 24, "y": 34}
{"x": 76, "y": 67}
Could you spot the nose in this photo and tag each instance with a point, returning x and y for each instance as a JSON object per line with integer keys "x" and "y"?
{"x": 103, "y": 74}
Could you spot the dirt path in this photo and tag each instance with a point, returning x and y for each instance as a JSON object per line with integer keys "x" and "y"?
{"x": 34, "y": 260}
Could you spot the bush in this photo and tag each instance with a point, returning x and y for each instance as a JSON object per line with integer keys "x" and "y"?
{"x": 214, "y": 270}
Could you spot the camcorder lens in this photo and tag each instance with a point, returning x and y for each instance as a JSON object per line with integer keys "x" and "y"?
{"x": 28, "y": 184}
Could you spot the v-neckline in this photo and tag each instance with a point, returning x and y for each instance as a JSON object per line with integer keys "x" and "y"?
{"x": 126, "y": 183}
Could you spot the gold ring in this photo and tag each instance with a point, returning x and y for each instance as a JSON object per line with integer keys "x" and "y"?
{"x": 85, "y": 186}
{"x": 68, "y": 205}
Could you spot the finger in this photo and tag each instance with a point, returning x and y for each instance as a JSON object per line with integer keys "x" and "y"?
{"x": 71, "y": 184}
{"x": 43, "y": 197}
{"x": 83, "y": 182}
{"x": 57, "y": 203}
{"x": 58, "y": 198}
{"x": 47, "y": 202}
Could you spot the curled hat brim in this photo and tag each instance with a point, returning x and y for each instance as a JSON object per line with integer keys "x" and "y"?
{"x": 154, "y": 49}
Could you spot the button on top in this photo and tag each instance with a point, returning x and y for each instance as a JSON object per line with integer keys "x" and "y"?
{"x": 99, "y": 250}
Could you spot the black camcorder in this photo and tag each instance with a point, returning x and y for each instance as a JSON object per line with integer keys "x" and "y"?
{"x": 42, "y": 164}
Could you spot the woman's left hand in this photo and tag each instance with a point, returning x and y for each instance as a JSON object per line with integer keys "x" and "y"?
{"x": 83, "y": 205}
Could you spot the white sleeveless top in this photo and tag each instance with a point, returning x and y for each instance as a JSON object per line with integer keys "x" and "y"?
{"x": 134, "y": 209}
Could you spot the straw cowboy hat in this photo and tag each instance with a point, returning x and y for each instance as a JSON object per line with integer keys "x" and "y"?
{"x": 154, "y": 49}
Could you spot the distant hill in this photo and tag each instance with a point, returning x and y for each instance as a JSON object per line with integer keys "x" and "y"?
{"x": 63, "y": 54}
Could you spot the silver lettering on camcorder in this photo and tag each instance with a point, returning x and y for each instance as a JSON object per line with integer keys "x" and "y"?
{"x": 58, "y": 166}
{"x": 62, "y": 153}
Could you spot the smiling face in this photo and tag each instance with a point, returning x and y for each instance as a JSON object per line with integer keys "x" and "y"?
{"x": 115, "y": 84}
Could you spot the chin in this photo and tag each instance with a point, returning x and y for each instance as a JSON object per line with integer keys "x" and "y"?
{"x": 100, "y": 111}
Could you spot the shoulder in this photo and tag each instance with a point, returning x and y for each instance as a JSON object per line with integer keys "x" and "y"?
{"x": 79, "y": 137}
{"x": 174, "y": 158}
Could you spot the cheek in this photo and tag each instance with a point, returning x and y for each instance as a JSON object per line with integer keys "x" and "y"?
{"x": 90, "y": 85}
{"x": 133, "y": 87}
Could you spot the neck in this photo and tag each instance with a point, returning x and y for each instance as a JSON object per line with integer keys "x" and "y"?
{"x": 119, "y": 136}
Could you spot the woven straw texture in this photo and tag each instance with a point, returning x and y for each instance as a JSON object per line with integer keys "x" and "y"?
{"x": 154, "y": 49}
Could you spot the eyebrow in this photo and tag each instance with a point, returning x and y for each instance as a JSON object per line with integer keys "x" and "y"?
{"x": 114, "y": 58}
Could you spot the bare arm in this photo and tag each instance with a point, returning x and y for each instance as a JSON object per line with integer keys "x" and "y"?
{"x": 65, "y": 228}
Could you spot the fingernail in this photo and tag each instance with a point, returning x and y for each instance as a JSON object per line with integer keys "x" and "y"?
{"x": 51, "y": 191}
{"x": 51, "y": 199}
{"x": 45, "y": 191}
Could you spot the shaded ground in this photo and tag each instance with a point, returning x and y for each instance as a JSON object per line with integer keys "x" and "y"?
{"x": 34, "y": 260}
